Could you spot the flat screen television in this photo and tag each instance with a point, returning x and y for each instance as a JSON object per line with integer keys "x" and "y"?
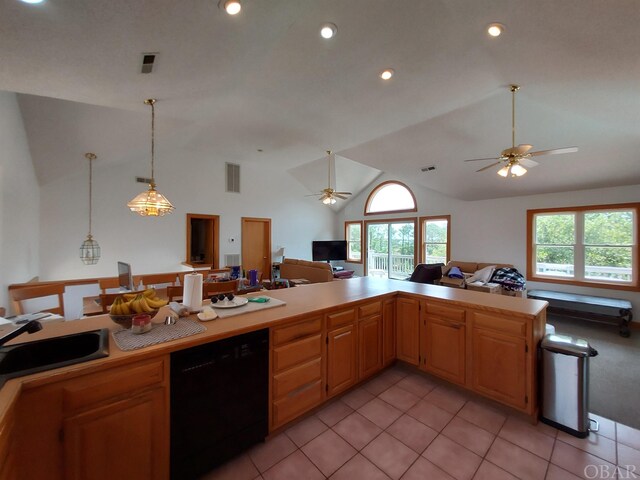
{"x": 125, "y": 279}
{"x": 327, "y": 250}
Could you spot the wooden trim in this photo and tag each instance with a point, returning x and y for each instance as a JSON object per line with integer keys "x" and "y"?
{"x": 211, "y": 257}
{"x": 530, "y": 268}
{"x": 421, "y": 222}
{"x": 386, "y": 220}
{"x": 346, "y": 237}
{"x": 386, "y": 212}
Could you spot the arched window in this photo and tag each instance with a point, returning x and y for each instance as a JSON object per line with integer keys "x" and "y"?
{"x": 390, "y": 197}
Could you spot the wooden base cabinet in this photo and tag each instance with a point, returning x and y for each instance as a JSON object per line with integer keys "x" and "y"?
{"x": 369, "y": 339}
{"x": 388, "y": 331}
{"x": 444, "y": 340}
{"x": 342, "y": 351}
{"x": 408, "y": 330}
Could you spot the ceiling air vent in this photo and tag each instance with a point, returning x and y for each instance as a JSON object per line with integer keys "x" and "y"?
{"x": 143, "y": 180}
{"x": 148, "y": 60}
{"x": 430, "y": 168}
{"x": 233, "y": 177}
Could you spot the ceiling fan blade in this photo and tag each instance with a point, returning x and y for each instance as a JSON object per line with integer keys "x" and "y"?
{"x": 343, "y": 193}
{"x": 527, "y": 162}
{"x": 341, "y": 197}
{"x": 489, "y": 166}
{"x": 480, "y": 159}
{"x": 555, "y": 151}
{"x": 314, "y": 194}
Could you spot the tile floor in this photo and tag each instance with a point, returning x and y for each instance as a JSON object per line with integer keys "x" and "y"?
{"x": 406, "y": 425}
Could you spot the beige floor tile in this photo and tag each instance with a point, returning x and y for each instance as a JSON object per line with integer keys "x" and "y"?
{"x": 414, "y": 434}
{"x": 629, "y": 459}
{"x": 399, "y": 398}
{"x": 469, "y": 435}
{"x": 378, "y": 385}
{"x": 239, "y": 468}
{"x": 483, "y": 416}
{"x": 359, "y": 468}
{"x": 392, "y": 376}
{"x": 594, "y": 444}
{"x": 357, "y": 398}
{"x": 357, "y": 430}
{"x": 334, "y": 412}
{"x": 328, "y": 452}
{"x": 306, "y": 430}
{"x": 390, "y": 455}
{"x": 578, "y": 461}
{"x": 266, "y": 455}
{"x": 517, "y": 461}
{"x": 417, "y": 384}
{"x": 423, "y": 469}
{"x": 294, "y": 467}
{"x": 454, "y": 459}
{"x": 527, "y": 436}
{"x": 447, "y": 398}
{"x": 430, "y": 415}
{"x": 379, "y": 412}
{"x": 629, "y": 436}
{"x": 556, "y": 473}
{"x": 489, "y": 471}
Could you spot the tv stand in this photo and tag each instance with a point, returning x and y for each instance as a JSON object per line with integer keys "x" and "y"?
{"x": 337, "y": 269}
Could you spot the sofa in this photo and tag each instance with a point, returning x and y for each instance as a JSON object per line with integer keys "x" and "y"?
{"x": 315, "y": 272}
{"x": 469, "y": 269}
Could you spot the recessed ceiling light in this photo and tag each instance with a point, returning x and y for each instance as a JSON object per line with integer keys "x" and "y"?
{"x": 328, "y": 30}
{"x": 232, "y": 7}
{"x": 495, "y": 29}
{"x": 387, "y": 73}
{"x": 33, "y": 2}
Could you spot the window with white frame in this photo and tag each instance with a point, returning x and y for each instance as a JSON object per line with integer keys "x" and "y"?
{"x": 585, "y": 245}
{"x": 353, "y": 236}
{"x": 436, "y": 241}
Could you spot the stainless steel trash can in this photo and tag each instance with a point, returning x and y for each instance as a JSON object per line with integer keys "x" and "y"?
{"x": 565, "y": 384}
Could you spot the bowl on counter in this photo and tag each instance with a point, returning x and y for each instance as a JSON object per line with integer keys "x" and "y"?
{"x": 125, "y": 321}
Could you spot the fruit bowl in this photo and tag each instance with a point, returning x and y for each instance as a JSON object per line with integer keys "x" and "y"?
{"x": 126, "y": 320}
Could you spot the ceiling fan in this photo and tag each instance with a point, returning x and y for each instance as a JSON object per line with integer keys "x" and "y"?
{"x": 516, "y": 158}
{"x": 329, "y": 196}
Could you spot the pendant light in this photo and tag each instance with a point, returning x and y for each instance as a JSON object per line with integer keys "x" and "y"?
{"x": 90, "y": 250}
{"x": 151, "y": 203}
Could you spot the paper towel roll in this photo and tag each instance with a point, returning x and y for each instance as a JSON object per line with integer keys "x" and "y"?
{"x": 192, "y": 295}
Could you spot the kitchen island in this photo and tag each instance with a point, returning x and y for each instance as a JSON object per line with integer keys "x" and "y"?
{"x": 111, "y": 415}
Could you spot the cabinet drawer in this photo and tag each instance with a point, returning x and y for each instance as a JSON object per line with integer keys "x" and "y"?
{"x": 91, "y": 389}
{"x": 289, "y": 382}
{"x": 369, "y": 309}
{"x": 290, "y": 407}
{"x": 295, "y": 331}
{"x": 297, "y": 352}
{"x": 500, "y": 324}
{"x": 450, "y": 313}
{"x": 340, "y": 318}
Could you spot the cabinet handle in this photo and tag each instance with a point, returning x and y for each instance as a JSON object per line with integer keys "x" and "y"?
{"x": 301, "y": 389}
{"x": 342, "y": 335}
{"x": 453, "y": 324}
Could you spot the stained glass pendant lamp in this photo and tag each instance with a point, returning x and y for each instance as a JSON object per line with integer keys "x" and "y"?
{"x": 151, "y": 203}
{"x": 90, "y": 250}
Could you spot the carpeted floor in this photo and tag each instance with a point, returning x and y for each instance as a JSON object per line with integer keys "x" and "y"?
{"x": 614, "y": 374}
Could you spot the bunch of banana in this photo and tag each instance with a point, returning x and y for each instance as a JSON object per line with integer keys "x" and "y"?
{"x": 131, "y": 303}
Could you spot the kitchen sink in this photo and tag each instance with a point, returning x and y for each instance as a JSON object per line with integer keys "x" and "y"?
{"x": 41, "y": 355}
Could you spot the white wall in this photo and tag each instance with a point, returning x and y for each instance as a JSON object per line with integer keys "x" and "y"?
{"x": 19, "y": 200}
{"x": 495, "y": 230}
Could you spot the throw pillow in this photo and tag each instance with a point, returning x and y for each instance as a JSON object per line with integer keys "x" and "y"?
{"x": 455, "y": 273}
{"x": 483, "y": 275}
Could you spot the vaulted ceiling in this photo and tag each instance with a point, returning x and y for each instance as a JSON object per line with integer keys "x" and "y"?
{"x": 265, "y": 80}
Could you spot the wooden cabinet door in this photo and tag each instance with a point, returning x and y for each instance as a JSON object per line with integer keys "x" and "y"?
{"x": 388, "y": 331}
{"x": 369, "y": 336}
{"x": 341, "y": 359}
{"x": 445, "y": 349}
{"x": 124, "y": 439}
{"x": 499, "y": 366}
{"x": 407, "y": 330}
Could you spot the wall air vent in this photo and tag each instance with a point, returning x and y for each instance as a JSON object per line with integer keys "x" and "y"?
{"x": 148, "y": 60}
{"x": 143, "y": 180}
{"x": 231, "y": 260}
{"x": 233, "y": 177}
{"x": 430, "y": 168}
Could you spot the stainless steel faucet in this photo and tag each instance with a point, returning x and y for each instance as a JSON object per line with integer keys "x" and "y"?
{"x": 32, "y": 326}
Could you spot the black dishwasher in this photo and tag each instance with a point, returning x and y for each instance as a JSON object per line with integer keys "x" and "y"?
{"x": 218, "y": 402}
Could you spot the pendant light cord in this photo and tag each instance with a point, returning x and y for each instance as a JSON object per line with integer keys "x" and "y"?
{"x": 90, "y": 191}
{"x": 153, "y": 129}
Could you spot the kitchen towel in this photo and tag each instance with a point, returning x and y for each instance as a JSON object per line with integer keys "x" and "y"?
{"x": 192, "y": 295}
{"x": 160, "y": 333}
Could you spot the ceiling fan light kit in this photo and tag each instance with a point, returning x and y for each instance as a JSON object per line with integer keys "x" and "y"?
{"x": 516, "y": 158}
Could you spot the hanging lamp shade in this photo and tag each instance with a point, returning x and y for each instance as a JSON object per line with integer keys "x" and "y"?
{"x": 151, "y": 203}
{"x": 90, "y": 250}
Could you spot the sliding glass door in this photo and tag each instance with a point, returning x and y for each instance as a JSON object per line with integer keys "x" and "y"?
{"x": 391, "y": 249}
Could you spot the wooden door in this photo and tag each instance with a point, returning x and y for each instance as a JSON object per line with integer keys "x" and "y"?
{"x": 499, "y": 366}
{"x": 256, "y": 245}
{"x": 407, "y": 330}
{"x": 125, "y": 439}
{"x": 341, "y": 359}
{"x": 388, "y": 331}
{"x": 445, "y": 349}
{"x": 369, "y": 337}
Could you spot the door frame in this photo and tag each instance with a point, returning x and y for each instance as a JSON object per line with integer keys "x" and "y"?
{"x": 244, "y": 246}
{"x": 365, "y": 254}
